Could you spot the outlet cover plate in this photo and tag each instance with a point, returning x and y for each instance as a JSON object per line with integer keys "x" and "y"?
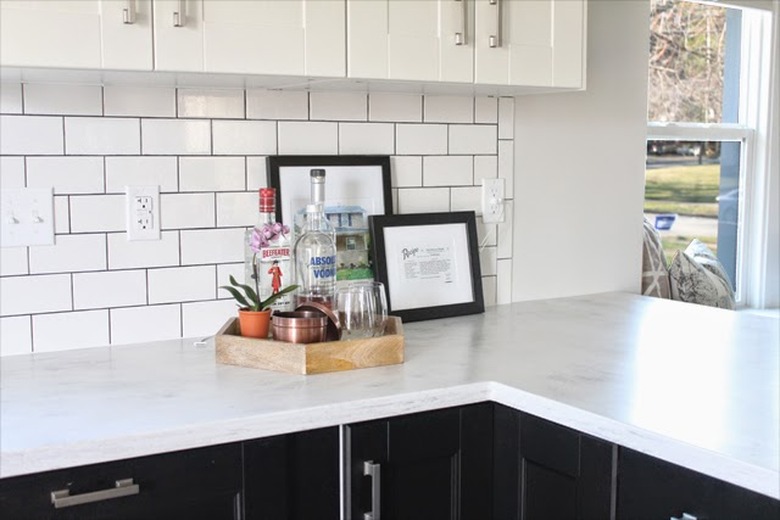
{"x": 493, "y": 200}
{"x": 143, "y": 212}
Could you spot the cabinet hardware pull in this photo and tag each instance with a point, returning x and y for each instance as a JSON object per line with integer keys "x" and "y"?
{"x": 180, "y": 15}
{"x": 460, "y": 36}
{"x": 373, "y": 470}
{"x": 494, "y": 40}
{"x": 685, "y": 516}
{"x": 128, "y": 13}
{"x": 124, "y": 488}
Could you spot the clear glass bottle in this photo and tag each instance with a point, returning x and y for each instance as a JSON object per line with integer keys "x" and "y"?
{"x": 268, "y": 253}
{"x": 315, "y": 249}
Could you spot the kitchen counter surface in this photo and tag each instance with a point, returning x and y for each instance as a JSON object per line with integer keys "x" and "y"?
{"x": 693, "y": 385}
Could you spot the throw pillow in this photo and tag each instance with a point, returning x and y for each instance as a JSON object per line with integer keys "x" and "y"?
{"x": 655, "y": 276}
{"x": 698, "y": 277}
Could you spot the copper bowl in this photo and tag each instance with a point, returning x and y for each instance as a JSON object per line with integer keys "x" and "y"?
{"x": 299, "y": 326}
{"x": 334, "y": 327}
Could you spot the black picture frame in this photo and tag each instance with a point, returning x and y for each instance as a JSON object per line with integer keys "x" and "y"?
{"x": 445, "y": 266}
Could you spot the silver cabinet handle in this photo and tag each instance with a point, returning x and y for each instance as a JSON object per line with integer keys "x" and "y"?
{"x": 128, "y": 13}
{"x": 180, "y": 15}
{"x": 685, "y": 516}
{"x": 124, "y": 488}
{"x": 494, "y": 40}
{"x": 370, "y": 469}
{"x": 460, "y": 36}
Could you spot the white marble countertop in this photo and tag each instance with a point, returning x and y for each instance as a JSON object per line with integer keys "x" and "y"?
{"x": 696, "y": 386}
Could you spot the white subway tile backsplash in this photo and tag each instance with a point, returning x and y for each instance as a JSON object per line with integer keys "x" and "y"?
{"x": 486, "y": 110}
{"x": 485, "y": 167}
{"x": 506, "y": 118}
{"x": 13, "y": 261}
{"x": 141, "y": 171}
{"x": 421, "y": 139}
{"x": 237, "y": 209}
{"x": 472, "y": 139}
{"x": 182, "y": 284}
{"x": 224, "y": 271}
{"x": 187, "y": 210}
{"x": 97, "y": 213}
{"x": 51, "y": 99}
{"x": 489, "y": 290}
{"x": 423, "y": 200}
{"x": 256, "y": 176}
{"x": 338, "y": 106}
{"x": 406, "y": 171}
{"x": 366, "y": 138}
{"x": 244, "y": 137}
{"x": 109, "y": 289}
{"x": 211, "y": 173}
{"x": 203, "y": 319}
{"x": 70, "y": 254}
{"x": 35, "y": 294}
{"x": 175, "y": 137}
{"x": 124, "y": 254}
{"x": 308, "y": 138}
{"x": 504, "y": 281}
{"x": 448, "y": 170}
{"x": 277, "y": 104}
{"x": 486, "y": 233}
{"x": 487, "y": 261}
{"x": 12, "y": 172}
{"x": 211, "y": 103}
{"x": 15, "y": 336}
{"x": 506, "y": 166}
{"x": 61, "y": 215}
{"x": 121, "y": 100}
{"x": 402, "y": 108}
{"x": 67, "y": 175}
{"x": 505, "y": 232}
{"x": 10, "y": 98}
{"x": 102, "y": 136}
{"x": 63, "y": 331}
{"x": 138, "y": 324}
{"x": 212, "y": 246}
{"x": 449, "y": 109}
{"x": 466, "y": 199}
{"x": 31, "y": 135}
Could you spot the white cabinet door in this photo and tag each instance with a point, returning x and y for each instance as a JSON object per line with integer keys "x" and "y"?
{"x": 178, "y": 35}
{"x": 410, "y": 40}
{"x": 537, "y": 43}
{"x": 88, "y": 34}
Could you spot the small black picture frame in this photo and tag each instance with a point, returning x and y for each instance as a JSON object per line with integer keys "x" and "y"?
{"x": 429, "y": 263}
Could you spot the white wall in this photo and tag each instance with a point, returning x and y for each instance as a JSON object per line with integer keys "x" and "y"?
{"x": 579, "y": 168}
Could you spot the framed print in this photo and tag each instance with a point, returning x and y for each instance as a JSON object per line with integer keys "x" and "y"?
{"x": 356, "y": 187}
{"x": 429, "y": 263}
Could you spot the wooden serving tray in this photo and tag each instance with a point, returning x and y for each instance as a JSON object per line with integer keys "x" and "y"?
{"x": 314, "y": 358}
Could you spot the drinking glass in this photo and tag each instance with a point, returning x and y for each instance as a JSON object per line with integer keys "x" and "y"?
{"x": 362, "y": 309}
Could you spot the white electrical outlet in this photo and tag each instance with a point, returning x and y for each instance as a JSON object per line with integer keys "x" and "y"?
{"x": 492, "y": 200}
{"x": 143, "y": 212}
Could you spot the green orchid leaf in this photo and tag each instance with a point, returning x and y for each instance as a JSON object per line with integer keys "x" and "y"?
{"x": 271, "y": 299}
{"x": 250, "y": 294}
{"x": 237, "y": 295}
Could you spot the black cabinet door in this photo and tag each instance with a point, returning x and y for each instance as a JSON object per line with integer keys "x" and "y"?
{"x": 649, "y": 488}
{"x": 432, "y": 465}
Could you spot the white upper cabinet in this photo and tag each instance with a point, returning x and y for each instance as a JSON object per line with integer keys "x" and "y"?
{"x": 178, "y": 35}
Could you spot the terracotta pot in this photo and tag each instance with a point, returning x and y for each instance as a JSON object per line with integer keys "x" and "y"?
{"x": 254, "y": 324}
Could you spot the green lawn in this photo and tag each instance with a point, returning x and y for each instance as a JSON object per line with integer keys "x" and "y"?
{"x": 685, "y": 190}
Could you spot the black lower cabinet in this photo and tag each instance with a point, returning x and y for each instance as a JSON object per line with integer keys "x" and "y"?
{"x": 649, "y": 488}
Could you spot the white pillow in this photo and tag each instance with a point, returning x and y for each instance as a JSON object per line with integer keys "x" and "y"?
{"x": 697, "y": 276}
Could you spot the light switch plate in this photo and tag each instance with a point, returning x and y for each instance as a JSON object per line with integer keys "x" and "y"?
{"x": 27, "y": 217}
{"x": 143, "y": 212}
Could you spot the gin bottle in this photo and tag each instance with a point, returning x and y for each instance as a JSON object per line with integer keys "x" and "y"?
{"x": 315, "y": 249}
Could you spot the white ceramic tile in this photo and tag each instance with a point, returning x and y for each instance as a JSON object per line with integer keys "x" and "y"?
{"x": 256, "y": 176}
{"x": 47, "y": 98}
{"x": 366, "y": 138}
{"x": 70, "y": 253}
{"x": 211, "y": 103}
{"x": 31, "y": 135}
{"x": 69, "y": 330}
{"x": 405, "y": 108}
{"x": 486, "y": 233}
{"x": 12, "y": 172}
{"x": 466, "y": 199}
{"x": 487, "y": 261}
{"x": 338, "y": 106}
{"x": 489, "y": 290}
{"x": 506, "y": 118}
{"x": 485, "y": 110}
{"x": 237, "y": 209}
{"x": 244, "y": 137}
{"x": 308, "y": 138}
{"x": 212, "y": 246}
{"x": 96, "y": 213}
{"x": 13, "y": 261}
{"x": 448, "y": 170}
{"x": 473, "y": 139}
{"x": 22, "y": 294}
{"x": 15, "y": 336}
{"x": 485, "y": 167}
{"x": 68, "y": 175}
{"x": 61, "y": 214}
{"x": 423, "y": 200}
{"x": 277, "y": 104}
{"x": 102, "y": 136}
{"x": 109, "y": 289}
{"x": 394, "y": 194}
{"x": 182, "y": 284}
{"x": 141, "y": 171}
{"x": 126, "y": 254}
{"x": 204, "y": 319}
{"x": 224, "y": 272}
{"x": 139, "y": 324}
{"x": 505, "y": 232}
{"x": 211, "y": 174}
{"x": 506, "y": 166}
{"x": 406, "y": 171}
{"x": 175, "y": 137}
{"x": 190, "y": 210}
{"x": 449, "y": 109}
{"x": 421, "y": 139}
{"x": 139, "y": 101}
{"x": 504, "y": 282}
{"x": 10, "y": 98}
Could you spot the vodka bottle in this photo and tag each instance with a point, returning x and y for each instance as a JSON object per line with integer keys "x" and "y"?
{"x": 268, "y": 254}
{"x": 315, "y": 248}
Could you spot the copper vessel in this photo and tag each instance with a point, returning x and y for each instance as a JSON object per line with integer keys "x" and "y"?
{"x": 299, "y": 326}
